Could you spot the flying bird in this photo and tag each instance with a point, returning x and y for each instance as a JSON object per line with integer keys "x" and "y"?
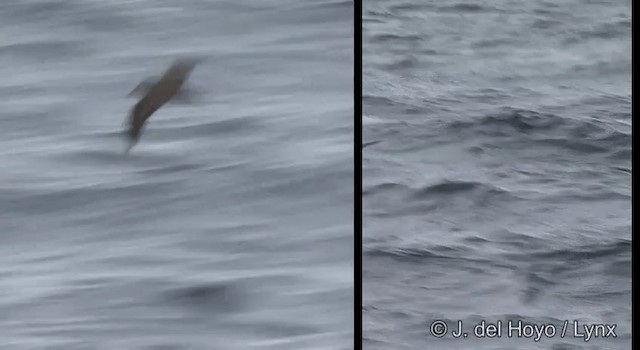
{"x": 156, "y": 95}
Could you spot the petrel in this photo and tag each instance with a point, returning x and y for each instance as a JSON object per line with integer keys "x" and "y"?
{"x": 157, "y": 94}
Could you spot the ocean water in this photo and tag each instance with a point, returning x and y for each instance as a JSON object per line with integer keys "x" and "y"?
{"x": 496, "y": 172}
{"x": 229, "y": 225}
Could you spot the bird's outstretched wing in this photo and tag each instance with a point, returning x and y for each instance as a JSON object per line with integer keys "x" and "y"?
{"x": 142, "y": 88}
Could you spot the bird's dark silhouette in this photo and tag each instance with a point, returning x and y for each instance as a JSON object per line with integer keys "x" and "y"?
{"x": 157, "y": 94}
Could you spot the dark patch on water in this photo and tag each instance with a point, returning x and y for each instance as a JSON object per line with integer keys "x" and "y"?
{"x": 464, "y": 8}
{"x": 207, "y": 298}
{"x": 447, "y": 188}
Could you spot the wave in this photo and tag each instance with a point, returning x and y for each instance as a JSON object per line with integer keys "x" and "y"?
{"x": 465, "y": 8}
{"x": 408, "y": 252}
{"x": 514, "y": 120}
{"x": 370, "y": 143}
{"x": 546, "y": 129}
{"x": 82, "y": 198}
{"x": 53, "y": 49}
{"x": 449, "y": 187}
{"x": 407, "y": 8}
{"x": 393, "y": 200}
{"x": 404, "y": 38}
{"x": 208, "y": 129}
{"x": 608, "y": 31}
{"x": 380, "y": 103}
{"x": 444, "y": 188}
{"x": 420, "y": 254}
{"x": 586, "y": 252}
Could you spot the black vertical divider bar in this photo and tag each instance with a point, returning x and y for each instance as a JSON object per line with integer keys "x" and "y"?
{"x": 633, "y": 182}
{"x": 357, "y": 152}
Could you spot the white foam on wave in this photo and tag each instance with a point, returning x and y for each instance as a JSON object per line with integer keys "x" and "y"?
{"x": 370, "y": 120}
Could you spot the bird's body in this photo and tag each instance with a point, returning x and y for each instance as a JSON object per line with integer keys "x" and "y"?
{"x": 157, "y": 95}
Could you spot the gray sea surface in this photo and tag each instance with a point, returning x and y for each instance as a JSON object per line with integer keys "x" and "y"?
{"x": 496, "y": 172}
{"x": 228, "y": 226}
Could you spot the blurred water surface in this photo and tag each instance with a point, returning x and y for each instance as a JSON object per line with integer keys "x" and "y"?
{"x": 229, "y": 226}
